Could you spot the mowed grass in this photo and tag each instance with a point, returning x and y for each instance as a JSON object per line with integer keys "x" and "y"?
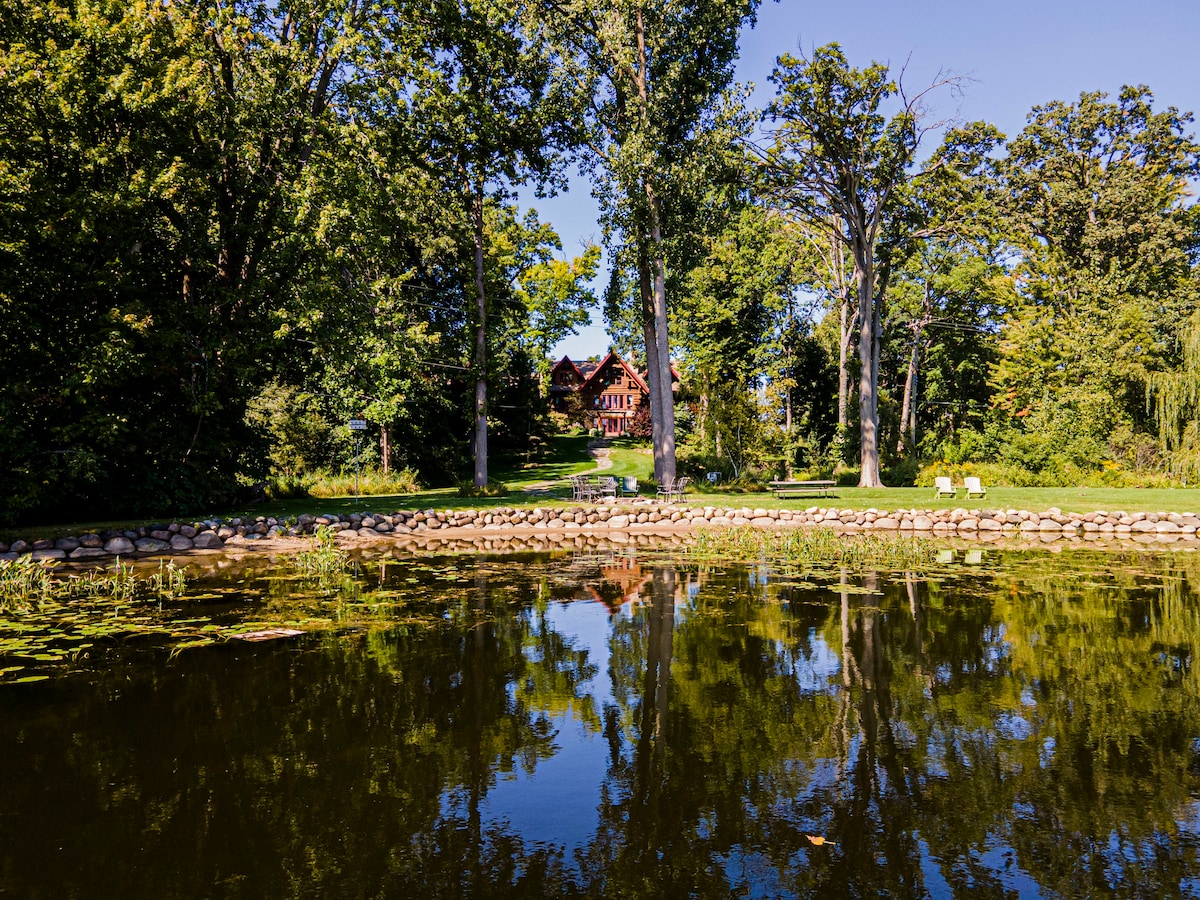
{"x": 544, "y": 483}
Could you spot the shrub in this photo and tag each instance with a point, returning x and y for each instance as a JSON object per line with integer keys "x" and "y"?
{"x": 491, "y": 489}
{"x": 370, "y": 482}
{"x": 289, "y": 487}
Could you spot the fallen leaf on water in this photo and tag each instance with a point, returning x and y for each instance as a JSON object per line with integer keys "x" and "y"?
{"x": 267, "y": 634}
{"x": 818, "y": 841}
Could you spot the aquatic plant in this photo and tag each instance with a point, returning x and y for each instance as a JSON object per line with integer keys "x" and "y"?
{"x": 169, "y": 581}
{"x": 815, "y": 547}
{"x": 324, "y": 560}
{"x": 24, "y": 581}
{"x": 118, "y": 583}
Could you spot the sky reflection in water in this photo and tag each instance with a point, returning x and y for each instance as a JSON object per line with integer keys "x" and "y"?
{"x": 610, "y": 724}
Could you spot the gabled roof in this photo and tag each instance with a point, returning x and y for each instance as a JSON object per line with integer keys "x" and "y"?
{"x": 612, "y": 357}
{"x": 566, "y": 360}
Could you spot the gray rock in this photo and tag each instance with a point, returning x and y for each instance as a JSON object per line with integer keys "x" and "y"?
{"x": 19, "y": 546}
{"x": 90, "y": 541}
{"x": 87, "y": 553}
{"x": 207, "y": 540}
{"x": 179, "y": 542}
{"x": 151, "y": 545}
{"x": 49, "y": 553}
{"x": 118, "y": 545}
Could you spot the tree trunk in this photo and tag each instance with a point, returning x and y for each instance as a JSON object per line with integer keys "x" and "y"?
{"x": 868, "y": 377}
{"x": 908, "y": 409}
{"x": 660, "y": 383}
{"x": 646, "y": 287}
{"x": 385, "y": 450}
{"x": 658, "y": 370}
{"x": 481, "y": 429}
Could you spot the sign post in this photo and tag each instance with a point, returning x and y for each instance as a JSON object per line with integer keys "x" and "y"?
{"x": 357, "y": 426}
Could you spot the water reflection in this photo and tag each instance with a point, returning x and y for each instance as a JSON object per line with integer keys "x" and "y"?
{"x": 607, "y": 724}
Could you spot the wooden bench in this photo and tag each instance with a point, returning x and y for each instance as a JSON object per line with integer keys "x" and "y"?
{"x": 785, "y": 489}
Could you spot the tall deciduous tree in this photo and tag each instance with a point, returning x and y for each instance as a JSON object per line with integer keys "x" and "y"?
{"x": 654, "y": 72}
{"x": 489, "y": 116}
{"x": 1096, "y": 194}
{"x": 841, "y": 164}
{"x": 158, "y": 146}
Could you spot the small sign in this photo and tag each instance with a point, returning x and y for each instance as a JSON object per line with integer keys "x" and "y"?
{"x": 358, "y": 424}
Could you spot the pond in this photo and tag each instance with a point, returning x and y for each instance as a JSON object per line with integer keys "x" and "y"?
{"x": 620, "y": 722}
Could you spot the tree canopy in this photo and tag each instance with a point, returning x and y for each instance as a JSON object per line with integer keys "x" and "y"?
{"x": 227, "y": 227}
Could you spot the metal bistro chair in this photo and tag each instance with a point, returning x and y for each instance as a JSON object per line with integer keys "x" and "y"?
{"x": 581, "y": 490}
{"x": 606, "y": 487}
{"x": 665, "y": 490}
{"x": 678, "y": 488}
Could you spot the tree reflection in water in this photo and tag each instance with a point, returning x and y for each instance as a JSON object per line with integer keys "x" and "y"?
{"x": 1026, "y": 729}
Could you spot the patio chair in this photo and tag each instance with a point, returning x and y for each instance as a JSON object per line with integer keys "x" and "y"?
{"x": 629, "y": 486}
{"x": 606, "y": 487}
{"x": 581, "y": 490}
{"x": 945, "y": 488}
{"x": 679, "y": 487}
{"x": 665, "y": 490}
{"x": 974, "y": 487}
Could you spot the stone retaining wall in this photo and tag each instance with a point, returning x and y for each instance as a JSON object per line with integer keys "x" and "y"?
{"x": 213, "y": 534}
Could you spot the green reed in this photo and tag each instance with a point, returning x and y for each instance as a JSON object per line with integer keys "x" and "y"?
{"x": 324, "y": 559}
{"x": 27, "y": 581}
{"x": 24, "y": 582}
{"x": 813, "y": 547}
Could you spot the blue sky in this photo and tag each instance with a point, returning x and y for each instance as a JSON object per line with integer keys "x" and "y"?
{"x": 1015, "y": 55}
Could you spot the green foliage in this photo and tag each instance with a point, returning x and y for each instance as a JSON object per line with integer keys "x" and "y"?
{"x": 371, "y": 482}
{"x": 1094, "y": 192}
{"x": 812, "y": 547}
{"x": 324, "y": 559}
{"x": 24, "y": 581}
{"x": 28, "y": 582}
{"x": 491, "y": 489}
{"x": 843, "y": 164}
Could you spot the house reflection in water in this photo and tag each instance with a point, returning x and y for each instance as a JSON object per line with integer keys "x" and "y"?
{"x": 619, "y": 577}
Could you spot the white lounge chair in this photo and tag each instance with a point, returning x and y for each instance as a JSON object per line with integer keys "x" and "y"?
{"x": 945, "y": 487}
{"x": 974, "y": 488}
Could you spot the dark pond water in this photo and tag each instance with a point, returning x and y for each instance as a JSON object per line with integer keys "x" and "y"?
{"x": 615, "y": 724}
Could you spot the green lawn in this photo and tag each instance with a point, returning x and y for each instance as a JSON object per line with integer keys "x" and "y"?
{"x": 1068, "y": 499}
{"x": 565, "y": 455}
{"x": 568, "y": 455}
